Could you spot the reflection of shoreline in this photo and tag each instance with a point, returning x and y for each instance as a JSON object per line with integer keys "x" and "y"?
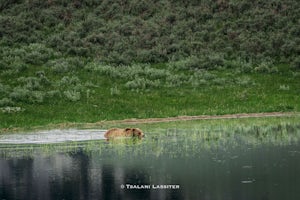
{"x": 72, "y": 176}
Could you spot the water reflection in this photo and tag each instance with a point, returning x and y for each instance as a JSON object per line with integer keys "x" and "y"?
{"x": 240, "y": 164}
{"x": 74, "y": 176}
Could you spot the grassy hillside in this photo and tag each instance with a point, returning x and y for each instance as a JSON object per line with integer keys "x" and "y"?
{"x": 84, "y": 61}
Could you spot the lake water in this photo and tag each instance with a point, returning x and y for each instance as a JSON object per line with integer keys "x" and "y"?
{"x": 246, "y": 163}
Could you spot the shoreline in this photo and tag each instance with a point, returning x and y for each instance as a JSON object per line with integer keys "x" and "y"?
{"x": 134, "y": 121}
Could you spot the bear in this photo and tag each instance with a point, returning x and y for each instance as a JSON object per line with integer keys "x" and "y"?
{"x": 127, "y": 132}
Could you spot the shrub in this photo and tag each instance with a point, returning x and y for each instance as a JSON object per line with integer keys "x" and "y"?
{"x": 20, "y": 94}
{"x": 59, "y": 66}
{"x": 64, "y": 65}
{"x": 195, "y": 82}
{"x": 36, "y": 97}
{"x": 128, "y": 72}
{"x": 266, "y": 67}
{"x": 67, "y": 81}
{"x": 197, "y": 79}
{"x": 19, "y": 66}
{"x": 212, "y": 61}
{"x": 142, "y": 84}
{"x": 208, "y": 76}
{"x": 30, "y": 83}
{"x": 4, "y": 89}
{"x": 246, "y": 67}
{"x": 72, "y": 95}
{"x": 220, "y": 81}
{"x": 139, "y": 83}
{"x": 6, "y": 102}
{"x": 107, "y": 70}
{"x": 9, "y": 109}
{"x": 53, "y": 94}
{"x": 296, "y": 63}
{"x": 114, "y": 91}
{"x": 240, "y": 64}
{"x": 26, "y": 96}
{"x": 153, "y": 73}
{"x": 38, "y": 54}
{"x": 284, "y": 87}
{"x": 244, "y": 81}
{"x": 189, "y": 63}
{"x": 203, "y": 62}
{"x": 175, "y": 80}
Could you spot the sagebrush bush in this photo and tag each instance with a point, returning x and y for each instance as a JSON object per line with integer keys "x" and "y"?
{"x": 53, "y": 94}
{"x": 142, "y": 84}
{"x": 212, "y": 61}
{"x": 25, "y": 95}
{"x": 220, "y": 81}
{"x": 139, "y": 83}
{"x": 4, "y": 89}
{"x": 18, "y": 66}
{"x": 103, "y": 69}
{"x": 30, "y": 83}
{"x": 189, "y": 63}
{"x": 296, "y": 63}
{"x": 6, "y": 102}
{"x": 266, "y": 67}
{"x": 284, "y": 87}
{"x": 114, "y": 91}
{"x": 128, "y": 72}
{"x": 37, "y": 97}
{"x": 59, "y": 66}
{"x": 67, "y": 81}
{"x": 207, "y": 75}
{"x": 9, "y": 109}
{"x": 20, "y": 94}
{"x": 240, "y": 64}
{"x": 38, "y": 54}
{"x": 72, "y": 95}
{"x": 153, "y": 73}
{"x": 65, "y": 65}
{"x": 244, "y": 81}
{"x": 175, "y": 80}
{"x": 197, "y": 79}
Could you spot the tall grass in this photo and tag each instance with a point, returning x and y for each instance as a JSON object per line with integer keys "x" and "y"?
{"x": 183, "y": 139}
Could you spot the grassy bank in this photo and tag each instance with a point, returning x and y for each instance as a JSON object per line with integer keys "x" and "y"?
{"x": 90, "y": 95}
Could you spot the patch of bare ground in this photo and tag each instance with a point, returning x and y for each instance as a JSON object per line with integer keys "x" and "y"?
{"x": 200, "y": 117}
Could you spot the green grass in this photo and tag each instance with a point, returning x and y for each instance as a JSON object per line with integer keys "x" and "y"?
{"x": 224, "y": 92}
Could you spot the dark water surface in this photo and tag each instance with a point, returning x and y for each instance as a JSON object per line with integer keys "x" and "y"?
{"x": 173, "y": 164}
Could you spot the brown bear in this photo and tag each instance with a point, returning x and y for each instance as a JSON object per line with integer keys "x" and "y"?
{"x": 127, "y": 132}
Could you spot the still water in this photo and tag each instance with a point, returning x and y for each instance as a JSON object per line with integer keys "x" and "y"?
{"x": 247, "y": 163}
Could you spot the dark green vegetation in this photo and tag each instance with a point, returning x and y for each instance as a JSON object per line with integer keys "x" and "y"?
{"x": 85, "y": 61}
